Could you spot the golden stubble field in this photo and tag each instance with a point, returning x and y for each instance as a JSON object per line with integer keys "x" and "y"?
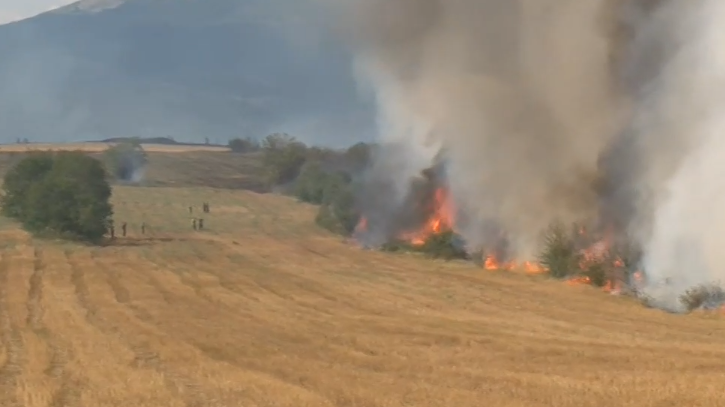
{"x": 264, "y": 309}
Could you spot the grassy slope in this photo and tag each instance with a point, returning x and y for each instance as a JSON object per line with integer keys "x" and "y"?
{"x": 264, "y": 309}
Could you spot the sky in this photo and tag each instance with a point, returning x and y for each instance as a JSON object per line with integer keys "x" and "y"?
{"x": 12, "y": 10}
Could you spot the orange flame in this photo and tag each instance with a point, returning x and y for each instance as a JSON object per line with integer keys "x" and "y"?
{"x": 581, "y": 280}
{"x": 441, "y": 220}
{"x": 492, "y": 264}
{"x": 362, "y": 225}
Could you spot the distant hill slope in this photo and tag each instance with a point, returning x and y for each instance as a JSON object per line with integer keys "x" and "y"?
{"x": 187, "y": 69}
{"x": 209, "y": 169}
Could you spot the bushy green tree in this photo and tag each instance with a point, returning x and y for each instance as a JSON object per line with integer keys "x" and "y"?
{"x": 559, "y": 254}
{"x": 126, "y": 160}
{"x": 358, "y": 157}
{"x": 337, "y": 212}
{"x": 65, "y": 194}
{"x": 310, "y": 185}
{"x": 18, "y": 181}
{"x": 283, "y": 158}
{"x": 446, "y": 245}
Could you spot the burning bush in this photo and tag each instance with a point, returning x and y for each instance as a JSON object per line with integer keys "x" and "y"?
{"x": 559, "y": 254}
{"x": 597, "y": 273}
{"x": 705, "y": 296}
{"x": 445, "y": 245}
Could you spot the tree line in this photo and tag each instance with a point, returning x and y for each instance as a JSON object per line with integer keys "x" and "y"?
{"x": 316, "y": 175}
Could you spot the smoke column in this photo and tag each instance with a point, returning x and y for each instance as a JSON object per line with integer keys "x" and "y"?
{"x": 676, "y": 70}
{"x": 520, "y": 94}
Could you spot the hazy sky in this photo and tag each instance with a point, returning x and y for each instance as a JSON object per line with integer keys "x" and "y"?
{"x": 11, "y": 10}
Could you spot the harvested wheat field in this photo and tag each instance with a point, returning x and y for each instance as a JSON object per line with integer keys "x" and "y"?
{"x": 264, "y": 309}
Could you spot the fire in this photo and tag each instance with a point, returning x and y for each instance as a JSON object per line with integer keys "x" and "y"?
{"x": 362, "y": 225}
{"x": 581, "y": 280}
{"x": 441, "y": 219}
{"x": 492, "y": 264}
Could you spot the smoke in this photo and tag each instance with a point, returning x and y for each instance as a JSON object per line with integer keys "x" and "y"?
{"x": 557, "y": 110}
{"x": 519, "y": 94}
{"x": 678, "y": 128}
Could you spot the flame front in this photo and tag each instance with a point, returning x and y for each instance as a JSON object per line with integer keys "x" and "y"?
{"x": 442, "y": 219}
{"x": 492, "y": 264}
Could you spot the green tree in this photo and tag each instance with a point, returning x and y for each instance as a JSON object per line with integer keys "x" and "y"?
{"x": 19, "y": 180}
{"x": 310, "y": 185}
{"x": 338, "y": 212}
{"x": 358, "y": 156}
{"x": 68, "y": 198}
{"x": 283, "y": 157}
{"x": 126, "y": 160}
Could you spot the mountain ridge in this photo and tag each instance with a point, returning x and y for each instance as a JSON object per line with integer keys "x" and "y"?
{"x": 192, "y": 69}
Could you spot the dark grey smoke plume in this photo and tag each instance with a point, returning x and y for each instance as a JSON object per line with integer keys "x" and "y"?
{"x": 554, "y": 109}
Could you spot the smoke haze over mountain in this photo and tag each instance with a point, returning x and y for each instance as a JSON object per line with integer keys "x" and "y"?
{"x": 190, "y": 70}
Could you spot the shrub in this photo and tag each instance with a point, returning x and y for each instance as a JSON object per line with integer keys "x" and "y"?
{"x": 338, "y": 213}
{"x": 559, "y": 254}
{"x": 65, "y": 194}
{"x": 393, "y": 246}
{"x": 126, "y": 160}
{"x": 245, "y": 145}
{"x": 445, "y": 245}
{"x": 598, "y": 272}
{"x": 706, "y": 296}
{"x": 310, "y": 185}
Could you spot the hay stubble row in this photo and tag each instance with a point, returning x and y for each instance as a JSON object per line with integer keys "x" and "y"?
{"x": 263, "y": 309}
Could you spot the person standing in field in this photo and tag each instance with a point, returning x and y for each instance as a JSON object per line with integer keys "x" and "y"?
{"x": 201, "y": 223}
{"x": 123, "y": 229}
{"x": 193, "y": 223}
{"x": 143, "y": 228}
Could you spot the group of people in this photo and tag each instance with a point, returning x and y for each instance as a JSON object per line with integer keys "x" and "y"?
{"x": 196, "y": 223}
{"x": 124, "y": 228}
{"x": 204, "y": 208}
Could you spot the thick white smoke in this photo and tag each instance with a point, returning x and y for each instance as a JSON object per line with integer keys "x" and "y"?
{"x": 533, "y": 100}
{"x": 680, "y": 122}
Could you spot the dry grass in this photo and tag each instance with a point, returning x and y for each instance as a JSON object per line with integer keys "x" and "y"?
{"x": 264, "y": 309}
{"x": 99, "y": 147}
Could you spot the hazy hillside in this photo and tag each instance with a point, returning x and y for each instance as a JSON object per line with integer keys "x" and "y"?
{"x": 189, "y": 69}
